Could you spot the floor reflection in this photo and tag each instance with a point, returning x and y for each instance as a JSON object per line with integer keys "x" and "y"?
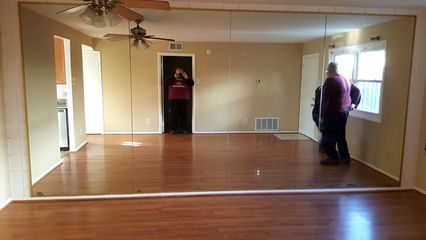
{"x": 116, "y": 164}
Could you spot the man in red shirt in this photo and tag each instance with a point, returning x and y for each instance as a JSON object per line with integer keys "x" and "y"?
{"x": 335, "y": 107}
{"x": 179, "y": 99}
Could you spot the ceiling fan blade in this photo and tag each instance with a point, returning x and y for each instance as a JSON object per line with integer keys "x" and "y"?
{"x": 117, "y": 37}
{"x": 160, "y": 5}
{"x": 157, "y": 38}
{"x": 74, "y": 8}
{"x": 127, "y": 13}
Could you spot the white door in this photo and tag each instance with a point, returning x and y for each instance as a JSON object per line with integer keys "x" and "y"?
{"x": 93, "y": 105}
{"x": 310, "y": 79}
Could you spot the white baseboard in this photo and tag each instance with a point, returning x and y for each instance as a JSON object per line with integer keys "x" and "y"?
{"x": 226, "y": 132}
{"x": 130, "y": 133}
{"x": 420, "y": 190}
{"x": 48, "y": 171}
{"x": 117, "y": 133}
{"x": 146, "y": 133}
{"x": 4, "y": 203}
{"x": 377, "y": 169}
{"x": 219, "y": 193}
{"x": 79, "y": 147}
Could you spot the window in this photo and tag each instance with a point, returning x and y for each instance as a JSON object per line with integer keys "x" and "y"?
{"x": 364, "y": 66}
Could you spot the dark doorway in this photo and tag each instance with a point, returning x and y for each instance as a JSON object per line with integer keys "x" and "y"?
{"x": 170, "y": 63}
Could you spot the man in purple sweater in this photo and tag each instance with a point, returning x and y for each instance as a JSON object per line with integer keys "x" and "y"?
{"x": 179, "y": 100}
{"x": 335, "y": 107}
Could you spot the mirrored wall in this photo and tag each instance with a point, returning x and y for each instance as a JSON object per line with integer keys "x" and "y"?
{"x": 105, "y": 117}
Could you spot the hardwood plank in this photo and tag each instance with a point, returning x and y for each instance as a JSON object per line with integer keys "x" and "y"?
{"x": 199, "y": 162}
{"x": 382, "y": 215}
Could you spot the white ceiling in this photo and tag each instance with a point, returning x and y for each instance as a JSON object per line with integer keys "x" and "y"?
{"x": 221, "y": 26}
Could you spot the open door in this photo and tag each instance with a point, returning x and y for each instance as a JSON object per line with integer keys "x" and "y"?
{"x": 93, "y": 104}
{"x": 169, "y": 64}
{"x": 309, "y": 83}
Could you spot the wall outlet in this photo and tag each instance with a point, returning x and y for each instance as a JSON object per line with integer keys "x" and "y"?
{"x": 148, "y": 121}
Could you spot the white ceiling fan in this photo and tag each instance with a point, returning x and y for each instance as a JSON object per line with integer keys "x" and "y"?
{"x": 95, "y": 11}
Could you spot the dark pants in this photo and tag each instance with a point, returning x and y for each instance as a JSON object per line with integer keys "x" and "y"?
{"x": 334, "y": 132}
{"x": 179, "y": 115}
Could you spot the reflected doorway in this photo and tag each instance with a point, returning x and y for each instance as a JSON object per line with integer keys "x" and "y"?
{"x": 310, "y": 80}
{"x": 169, "y": 64}
{"x": 93, "y": 103}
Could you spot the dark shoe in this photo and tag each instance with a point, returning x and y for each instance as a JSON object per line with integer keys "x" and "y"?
{"x": 346, "y": 161}
{"x": 330, "y": 162}
{"x": 186, "y": 132}
{"x": 173, "y": 132}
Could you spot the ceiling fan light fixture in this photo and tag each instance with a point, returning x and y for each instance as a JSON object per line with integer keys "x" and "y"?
{"x": 135, "y": 43}
{"x": 113, "y": 18}
{"x": 88, "y": 15}
{"x": 99, "y": 20}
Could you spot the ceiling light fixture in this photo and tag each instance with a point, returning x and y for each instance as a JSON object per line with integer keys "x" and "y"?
{"x": 95, "y": 14}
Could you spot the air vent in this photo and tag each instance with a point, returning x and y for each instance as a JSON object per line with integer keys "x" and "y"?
{"x": 174, "y": 46}
{"x": 267, "y": 124}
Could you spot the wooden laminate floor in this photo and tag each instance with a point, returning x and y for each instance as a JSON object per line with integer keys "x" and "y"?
{"x": 116, "y": 164}
{"x": 369, "y": 216}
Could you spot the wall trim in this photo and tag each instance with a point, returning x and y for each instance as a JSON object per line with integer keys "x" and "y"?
{"x": 200, "y": 132}
{"x": 5, "y": 203}
{"x": 228, "y": 132}
{"x": 420, "y": 190}
{"x": 130, "y": 133}
{"x": 218, "y": 193}
{"x": 375, "y": 168}
{"x": 48, "y": 171}
{"x": 79, "y": 147}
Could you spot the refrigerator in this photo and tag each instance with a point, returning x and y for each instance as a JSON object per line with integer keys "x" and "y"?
{"x": 63, "y": 129}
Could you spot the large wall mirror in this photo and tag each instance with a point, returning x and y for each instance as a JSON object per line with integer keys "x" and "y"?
{"x": 101, "y": 110}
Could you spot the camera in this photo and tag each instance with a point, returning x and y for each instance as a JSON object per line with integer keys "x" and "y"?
{"x": 181, "y": 75}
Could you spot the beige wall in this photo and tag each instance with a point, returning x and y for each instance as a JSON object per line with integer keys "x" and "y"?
{"x": 40, "y": 85}
{"x": 227, "y": 92}
{"x": 278, "y": 66}
{"x": 421, "y": 164}
{"x": 5, "y": 193}
{"x": 381, "y": 144}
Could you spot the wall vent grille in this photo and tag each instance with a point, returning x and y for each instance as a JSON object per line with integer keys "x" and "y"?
{"x": 174, "y": 46}
{"x": 267, "y": 124}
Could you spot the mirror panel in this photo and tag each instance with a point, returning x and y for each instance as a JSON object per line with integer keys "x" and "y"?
{"x": 250, "y": 111}
{"x": 267, "y": 151}
{"x": 166, "y": 162}
{"x": 67, "y": 153}
{"x": 374, "y": 54}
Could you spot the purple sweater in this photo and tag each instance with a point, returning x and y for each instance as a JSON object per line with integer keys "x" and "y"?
{"x": 336, "y": 96}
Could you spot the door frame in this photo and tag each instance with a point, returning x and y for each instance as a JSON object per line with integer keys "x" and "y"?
{"x": 160, "y": 56}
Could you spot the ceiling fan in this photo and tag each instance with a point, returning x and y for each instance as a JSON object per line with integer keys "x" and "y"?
{"x": 137, "y": 34}
{"x": 95, "y": 10}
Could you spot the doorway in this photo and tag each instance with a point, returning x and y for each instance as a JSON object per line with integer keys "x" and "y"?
{"x": 169, "y": 63}
{"x": 310, "y": 79}
{"x": 93, "y": 103}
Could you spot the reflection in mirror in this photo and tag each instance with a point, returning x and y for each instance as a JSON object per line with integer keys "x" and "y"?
{"x": 374, "y": 55}
{"x": 168, "y": 162}
{"x": 65, "y": 89}
{"x": 250, "y": 109}
{"x": 270, "y": 92}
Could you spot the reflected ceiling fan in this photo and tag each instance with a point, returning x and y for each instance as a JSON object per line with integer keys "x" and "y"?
{"x": 95, "y": 10}
{"x": 137, "y": 34}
